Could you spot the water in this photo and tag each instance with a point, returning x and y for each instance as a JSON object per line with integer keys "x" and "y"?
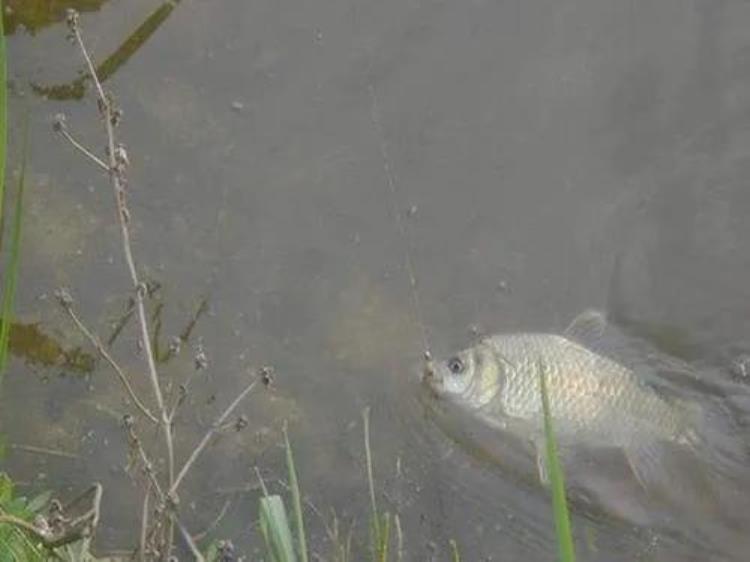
{"x": 540, "y": 142}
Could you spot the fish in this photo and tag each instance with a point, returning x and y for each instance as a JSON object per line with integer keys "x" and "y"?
{"x": 599, "y": 398}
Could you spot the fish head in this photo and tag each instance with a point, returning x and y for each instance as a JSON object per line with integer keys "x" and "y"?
{"x": 473, "y": 376}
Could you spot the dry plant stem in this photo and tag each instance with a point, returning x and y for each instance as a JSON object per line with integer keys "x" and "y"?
{"x": 399, "y": 539}
{"x": 370, "y": 478}
{"x": 180, "y": 398}
{"x": 109, "y": 359}
{"x": 44, "y": 451}
{"x": 83, "y": 150}
{"x": 25, "y": 525}
{"x": 207, "y": 437}
{"x": 144, "y": 525}
{"x": 215, "y": 523}
{"x": 122, "y": 217}
{"x": 190, "y": 542}
{"x": 116, "y": 175}
{"x": 86, "y": 524}
{"x": 154, "y": 483}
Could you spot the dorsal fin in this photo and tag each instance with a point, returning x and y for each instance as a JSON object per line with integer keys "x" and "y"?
{"x": 588, "y": 327}
{"x": 670, "y": 377}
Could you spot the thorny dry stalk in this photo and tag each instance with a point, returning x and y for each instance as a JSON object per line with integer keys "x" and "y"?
{"x": 157, "y": 521}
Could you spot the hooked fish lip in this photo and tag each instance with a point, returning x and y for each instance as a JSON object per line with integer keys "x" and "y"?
{"x": 431, "y": 379}
{"x": 428, "y": 371}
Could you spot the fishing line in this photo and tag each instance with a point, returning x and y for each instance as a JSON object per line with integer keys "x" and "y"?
{"x": 391, "y": 181}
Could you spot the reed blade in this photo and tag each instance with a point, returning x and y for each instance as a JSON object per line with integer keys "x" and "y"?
{"x": 557, "y": 480}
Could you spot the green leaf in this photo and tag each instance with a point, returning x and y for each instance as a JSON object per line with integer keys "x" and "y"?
{"x": 455, "y": 554}
{"x": 39, "y": 502}
{"x": 6, "y": 489}
{"x": 274, "y": 527}
{"x": 212, "y": 552}
{"x": 296, "y": 499}
{"x": 384, "y": 538}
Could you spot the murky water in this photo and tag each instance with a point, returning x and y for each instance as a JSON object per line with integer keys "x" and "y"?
{"x": 537, "y": 144}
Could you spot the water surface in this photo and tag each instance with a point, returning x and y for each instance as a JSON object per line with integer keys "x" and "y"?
{"x": 539, "y": 143}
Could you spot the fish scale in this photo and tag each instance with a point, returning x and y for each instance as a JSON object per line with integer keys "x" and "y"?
{"x": 584, "y": 389}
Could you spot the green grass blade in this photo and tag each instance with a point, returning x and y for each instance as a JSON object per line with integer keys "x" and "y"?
{"x": 3, "y": 110}
{"x": 375, "y": 528}
{"x": 455, "y": 554}
{"x": 15, "y": 544}
{"x": 296, "y": 499}
{"x": 384, "y": 539}
{"x": 274, "y": 526}
{"x": 557, "y": 480}
{"x": 380, "y": 526}
{"x": 11, "y": 275}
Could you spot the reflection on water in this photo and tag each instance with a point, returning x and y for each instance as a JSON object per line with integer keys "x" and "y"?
{"x": 33, "y": 15}
{"x": 30, "y": 343}
{"x": 105, "y": 69}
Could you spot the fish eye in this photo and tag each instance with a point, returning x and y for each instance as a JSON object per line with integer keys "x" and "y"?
{"x": 455, "y": 365}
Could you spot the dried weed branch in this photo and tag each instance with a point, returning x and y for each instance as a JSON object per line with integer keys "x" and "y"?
{"x": 118, "y": 168}
{"x": 159, "y": 510}
{"x": 210, "y": 433}
{"x": 59, "y": 126}
{"x": 66, "y": 301}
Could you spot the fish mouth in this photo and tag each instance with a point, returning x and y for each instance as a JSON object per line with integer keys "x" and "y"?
{"x": 430, "y": 378}
{"x": 428, "y": 369}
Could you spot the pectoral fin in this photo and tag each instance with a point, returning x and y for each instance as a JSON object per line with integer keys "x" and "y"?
{"x": 644, "y": 463}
